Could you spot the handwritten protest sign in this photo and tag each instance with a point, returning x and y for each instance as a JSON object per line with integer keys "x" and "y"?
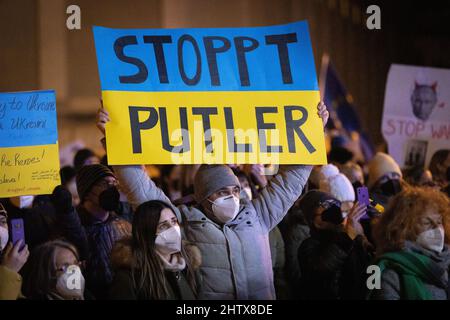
{"x": 29, "y": 160}
{"x": 232, "y": 95}
{"x": 416, "y": 116}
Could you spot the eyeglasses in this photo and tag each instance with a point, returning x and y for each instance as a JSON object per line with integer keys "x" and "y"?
{"x": 387, "y": 177}
{"x": 329, "y": 203}
{"x": 3, "y": 211}
{"x": 66, "y": 266}
{"x": 104, "y": 184}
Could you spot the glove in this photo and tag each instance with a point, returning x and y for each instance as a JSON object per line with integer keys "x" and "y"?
{"x": 61, "y": 199}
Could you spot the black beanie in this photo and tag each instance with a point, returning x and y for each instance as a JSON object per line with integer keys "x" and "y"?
{"x": 67, "y": 173}
{"x": 81, "y": 156}
{"x": 88, "y": 175}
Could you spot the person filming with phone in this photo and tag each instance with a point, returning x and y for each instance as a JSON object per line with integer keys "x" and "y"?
{"x": 12, "y": 259}
{"x": 334, "y": 259}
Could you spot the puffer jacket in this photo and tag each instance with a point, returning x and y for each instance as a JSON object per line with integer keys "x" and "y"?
{"x": 236, "y": 259}
{"x": 123, "y": 287}
{"x": 278, "y": 264}
{"x": 100, "y": 236}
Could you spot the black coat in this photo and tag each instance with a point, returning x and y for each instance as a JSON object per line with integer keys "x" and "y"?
{"x": 333, "y": 266}
{"x": 98, "y": 242}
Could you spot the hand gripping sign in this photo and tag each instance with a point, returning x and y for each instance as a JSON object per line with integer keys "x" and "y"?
{"x": 190, "y": 96}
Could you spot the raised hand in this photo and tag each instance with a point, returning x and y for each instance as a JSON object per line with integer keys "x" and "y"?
{"x": 101, "y": 119}
{"x": 352, "y": 226}
{"x": 323, "y": 113}
{"x": 13, "y": 258}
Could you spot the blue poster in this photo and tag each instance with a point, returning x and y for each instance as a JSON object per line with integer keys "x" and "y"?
{"x": 28, "y": 118}
{"x": 270, "y": 58}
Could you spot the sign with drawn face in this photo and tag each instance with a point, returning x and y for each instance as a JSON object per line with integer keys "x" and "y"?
{"x": 29, "y": 160}
{"x": 416, "y": 116}
{"x": 223, "y": 95}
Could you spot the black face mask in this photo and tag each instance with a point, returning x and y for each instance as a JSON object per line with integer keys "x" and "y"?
{"x": 109, "y": 199}
{"x": 391, "y": 187}
{"x": 333, "y": 214}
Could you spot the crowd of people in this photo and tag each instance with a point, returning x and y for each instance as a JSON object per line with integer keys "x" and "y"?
{"x": 232, "y": 232}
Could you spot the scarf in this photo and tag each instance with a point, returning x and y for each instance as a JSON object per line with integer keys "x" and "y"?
{"x": 414, "y": 270}
{"x": 176, "y": 262}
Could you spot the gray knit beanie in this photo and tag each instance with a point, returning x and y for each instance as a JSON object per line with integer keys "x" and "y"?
{"x": 211, "y": 178}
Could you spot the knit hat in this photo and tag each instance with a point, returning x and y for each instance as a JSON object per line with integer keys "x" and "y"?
{"x": 352, "y": 171}
{"x": 81, "y": 156}
{"x": 89, "y": 175}
{"x": 380, "y": 165}
{"x": 211, "y": 178}
{"x": 311, "y": 201}
{"x": 336, "y": 183}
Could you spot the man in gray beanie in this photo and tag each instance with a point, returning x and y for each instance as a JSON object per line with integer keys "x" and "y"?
{"x": 233, "y": 238}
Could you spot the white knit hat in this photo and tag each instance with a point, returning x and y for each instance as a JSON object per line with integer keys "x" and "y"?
{"x": 336, "y": 183}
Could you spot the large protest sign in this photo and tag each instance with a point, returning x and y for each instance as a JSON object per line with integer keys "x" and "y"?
{"x": 232, "y": 95}
{"x": 29, "y": 160}
{"x": 416, "y": 117}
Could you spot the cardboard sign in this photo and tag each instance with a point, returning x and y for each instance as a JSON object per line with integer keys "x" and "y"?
{"x": 416, "y": 116}
{"x": 189, "y": 96}
{"x": 29, "y": 160}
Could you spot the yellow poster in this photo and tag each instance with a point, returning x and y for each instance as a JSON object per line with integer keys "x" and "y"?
{"x": 29, "y": 170}
{"x": 214, "y": 127}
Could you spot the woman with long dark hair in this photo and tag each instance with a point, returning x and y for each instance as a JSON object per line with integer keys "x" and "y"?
{"x": 154, "y": 264}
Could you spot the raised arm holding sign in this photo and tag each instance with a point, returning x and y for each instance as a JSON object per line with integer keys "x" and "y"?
{"x": 233, "y": 238}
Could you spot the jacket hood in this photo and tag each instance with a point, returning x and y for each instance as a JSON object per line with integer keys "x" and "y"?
{"x": 122, "y": 256}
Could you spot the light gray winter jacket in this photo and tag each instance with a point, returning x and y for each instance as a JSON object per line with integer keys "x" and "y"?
{"x": 236, "y": 260}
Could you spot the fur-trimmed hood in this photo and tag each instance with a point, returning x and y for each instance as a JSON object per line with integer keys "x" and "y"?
{"x": 121, "y": 254}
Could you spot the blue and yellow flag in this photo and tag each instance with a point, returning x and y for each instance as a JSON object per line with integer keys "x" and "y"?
{"x": 231, "y": 95}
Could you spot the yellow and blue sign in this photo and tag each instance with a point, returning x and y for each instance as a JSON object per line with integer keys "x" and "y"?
{"x": 29, "y": 159}
{"x": 228, "y": 95}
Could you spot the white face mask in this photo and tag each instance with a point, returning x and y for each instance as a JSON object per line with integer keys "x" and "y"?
{"x": 4, "y": 236}
{"x": 432, "y": 239}
{"x": 22, "y": 201}
{"x": 169, "y": 241}
{"x": 70, "y": 285}
{"x": 225, "y": 208}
